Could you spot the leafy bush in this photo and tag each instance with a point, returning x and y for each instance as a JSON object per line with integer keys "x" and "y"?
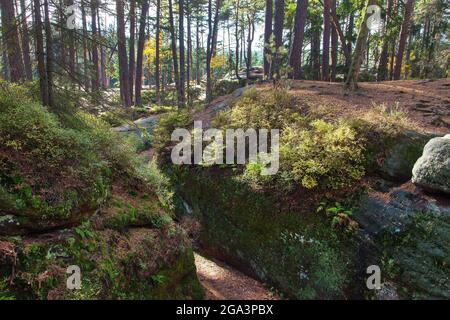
{"x": 322, "y": 154}
{"x": 313, "y": 153}
{"x": 166, "y": 125}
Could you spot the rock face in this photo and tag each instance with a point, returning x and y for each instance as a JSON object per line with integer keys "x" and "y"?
{"x": 401, "y": 155}
{"x": 409, "y": 234}
{"x": 432, "y": 169}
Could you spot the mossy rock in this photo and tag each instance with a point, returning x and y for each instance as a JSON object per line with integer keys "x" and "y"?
{"x": 284, "y": 243}
{"x": 139, "y": 263}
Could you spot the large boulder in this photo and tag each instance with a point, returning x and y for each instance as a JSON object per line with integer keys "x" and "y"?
{"x": 432, "y": 169}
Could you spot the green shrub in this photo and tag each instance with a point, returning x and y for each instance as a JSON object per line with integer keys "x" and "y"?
{"x": 313, "y": 153}
{"x": 322, "y": 154}
{"x": 166, "y": 125}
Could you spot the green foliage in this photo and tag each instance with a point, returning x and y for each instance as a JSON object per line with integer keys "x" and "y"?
{"x": 166, "y": 125}
{"x": 313, "y": 153}
{"x": 322, "y": 154}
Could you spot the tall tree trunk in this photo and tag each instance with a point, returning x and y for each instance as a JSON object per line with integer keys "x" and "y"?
{"x": 132, "y": 60}
{"x": 103, "y": 80}
{"x": 250, "y": 38}
{"x": 409, "y": 8}
{"x": 326, "y": 41}
{"x": 40, "y": 54}
{"x": 295, "y": 57}
{"x": 11, "y": 41}
{"x": 26, "y": 42}
{"x": 349, "y": 36}
{"x": 334, "y": 42}
{"x": 211, "y": 43}
{"x": 94, "y": 46}
{"x": 173, "y": 45}
{"x": 268, "y": 22}
{"x": 158, "y": 44}
{"x": 122, "y": 51}
{"x": 182, "y": 51}
{"x": 85, "y": 47}
{"x": 384, "y": 55}
{"x": 197, "y": 54}
{"x": 278, "y": 33}
{"x": 360, "y": 47}
{"x": 189, "y": 54}
{"x": 236, "y": 38}
{"x": 140, "y": 52}
{"x": 72, "y": 51}
{"x": 49, "y": 49}
{"x": 315, "y": 53}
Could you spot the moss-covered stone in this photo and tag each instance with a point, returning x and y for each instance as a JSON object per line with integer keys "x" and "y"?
{"x": 280, "y": 240}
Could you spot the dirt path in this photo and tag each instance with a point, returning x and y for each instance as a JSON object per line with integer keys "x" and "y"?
{"x": 221, "y": 282}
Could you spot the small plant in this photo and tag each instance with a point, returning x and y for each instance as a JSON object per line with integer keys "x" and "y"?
{"x": 341, "y": 218}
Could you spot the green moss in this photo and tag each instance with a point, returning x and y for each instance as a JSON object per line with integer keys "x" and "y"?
{"x": 287, "y": 245}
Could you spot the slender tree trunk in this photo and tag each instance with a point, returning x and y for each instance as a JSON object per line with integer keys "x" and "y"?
{"x": 409, "y": 8}
{"x": 182, "y": 51}
{"x": 268, "y": 22}
{"x": 132, "y": 60}
{"x": 140, "y": 52}
{"x": 198, "y": 57}
{"x": 295, "y": 57}
{"x": 250, "y": 37}
{"x": 157, "y": 60}
{"x": 95, "y": 59}
{"x": 122, "y": 51}
{"x": 189, "y": 54}
{"x": 340, "y": 33}
{"x": 49, "y": 49}
{"x": 211, "y": 43}
{"x": 326, "y": 41}
{"x": 278, "y": 33}
{"x": 315, "y": 53}
{"x": 334, "y": 43}
{"x": 358, "y": 54}
{"x": 40, "y": 54}
{"x": 173, "y": 45}
{"x": 236, "y": 38}
{"x": 103, "y": 80}
{"x": 11, "y": 41}
{"x": 384, "y": 55}
{"x": 26, "y": 43}
{"x": 85, "y": 46}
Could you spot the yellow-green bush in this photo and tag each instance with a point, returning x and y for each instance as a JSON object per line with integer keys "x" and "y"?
{"x": 313, "y": 153}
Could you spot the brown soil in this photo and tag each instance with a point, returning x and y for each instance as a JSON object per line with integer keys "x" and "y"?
{"x": 221, "y": 282}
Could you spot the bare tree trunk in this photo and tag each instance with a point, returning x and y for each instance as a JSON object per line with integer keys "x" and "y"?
{"x": 122, "y": 51}
{"x": 211, "y": 44}
{"x": 250, "y": 38}
{"x": 95, "y": 59}
{"x": 85, "y": 47}
{"x": 103, "y": 80}
{"x": 26, "y": 42}
{"x": 189, "y": 54}
{"x": 11, "y": 41}
{"x": 326, "y": 41}
{"x": 295, "y": 57}
{"x": 384, "y": 56}
{"x": 140, "y": 52}
{"x": 132, "y": 60}
{"x": 315, "y": 53}
{"x": 38, "y": 28}
{"x": 173, "y": 45}
{"x": 182, "y": 51}
{"x": 358, "y": 54}
{"x": 236, "y": 38}
{"x": 278, "y": 33}
{"x": 198, "y": 58}
{"x": 158, "y": 44}
{"x": 334, "y": 43}
{"x": 268, "y": 21}
{"x": 49, "y": 49}
{"x": 409, "y": 8}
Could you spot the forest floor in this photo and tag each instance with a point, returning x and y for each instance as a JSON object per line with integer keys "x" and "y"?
{"x": 221, "y": 282}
